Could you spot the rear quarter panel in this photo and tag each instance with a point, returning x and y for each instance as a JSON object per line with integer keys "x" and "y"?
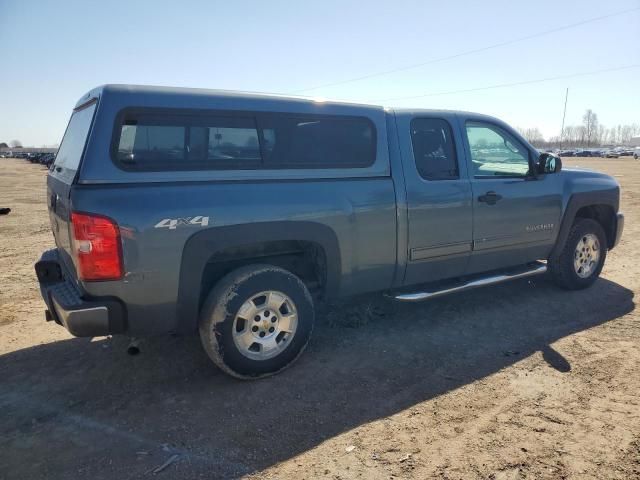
{"x": 361, "y": 214}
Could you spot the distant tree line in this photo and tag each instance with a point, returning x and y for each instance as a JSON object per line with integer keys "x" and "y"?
{"x": 590, "y": 134}
{"x": 11, "y": 144}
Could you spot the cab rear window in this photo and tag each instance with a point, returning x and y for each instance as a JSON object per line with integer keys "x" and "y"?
{"x": 148, "y": 140}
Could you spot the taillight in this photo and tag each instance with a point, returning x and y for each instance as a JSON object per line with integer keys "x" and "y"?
{"x": 97, "y": 247}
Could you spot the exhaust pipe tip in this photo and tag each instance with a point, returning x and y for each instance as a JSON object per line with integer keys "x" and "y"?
{"x": 133, "y": 350}
{"x": 134, "y": 347}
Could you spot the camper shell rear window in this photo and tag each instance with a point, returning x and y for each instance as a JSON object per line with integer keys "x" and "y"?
{"x": 74, "y": 141}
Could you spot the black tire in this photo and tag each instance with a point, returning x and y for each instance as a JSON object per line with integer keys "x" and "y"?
{"x": 223, "y": 304}
{"x": 561, "y": 266}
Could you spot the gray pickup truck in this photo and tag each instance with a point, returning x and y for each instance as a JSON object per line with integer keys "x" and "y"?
{"x": 233, "y": 215}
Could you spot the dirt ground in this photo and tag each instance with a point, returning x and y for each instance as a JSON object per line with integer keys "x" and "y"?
{"x": 520, "y": 380}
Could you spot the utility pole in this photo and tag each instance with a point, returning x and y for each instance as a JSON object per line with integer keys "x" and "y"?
{"x": 564, "y": 114}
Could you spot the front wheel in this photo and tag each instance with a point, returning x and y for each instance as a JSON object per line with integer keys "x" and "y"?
{"x": 256, "y": 321}
{"x": 580, "y": 261}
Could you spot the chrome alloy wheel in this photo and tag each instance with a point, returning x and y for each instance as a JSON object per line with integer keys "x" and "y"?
{"x": 265, "y": 325}
{"x": 586, "y": 255}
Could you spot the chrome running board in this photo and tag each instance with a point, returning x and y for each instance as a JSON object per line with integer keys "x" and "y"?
{"x": 527, "y": 271}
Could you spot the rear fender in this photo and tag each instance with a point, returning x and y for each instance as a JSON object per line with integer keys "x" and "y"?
{"x": 201, "y": 246}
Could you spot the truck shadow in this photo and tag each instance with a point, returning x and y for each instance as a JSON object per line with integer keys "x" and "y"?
{"x": 85, "y": 406}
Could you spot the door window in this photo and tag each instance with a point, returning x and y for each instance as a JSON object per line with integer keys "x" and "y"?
{"x": 495, "y": 153}
{"x": 433, "y": 149}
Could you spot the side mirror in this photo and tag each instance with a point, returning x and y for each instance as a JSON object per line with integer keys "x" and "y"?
{"x": 549, "y": 163}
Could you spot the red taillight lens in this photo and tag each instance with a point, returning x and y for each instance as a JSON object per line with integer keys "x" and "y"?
{"x": 97, "y": 247}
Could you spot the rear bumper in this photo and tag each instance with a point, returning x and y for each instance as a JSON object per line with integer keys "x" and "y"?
{"x": 67, "y": 306}
{"x": 619, "y": 228}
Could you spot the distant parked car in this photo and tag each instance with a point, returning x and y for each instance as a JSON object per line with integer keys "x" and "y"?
{"x": 611, "y": 154}
{"x": 47, "y": 159}
{"x": 566, "y": 153}
{"x": 626, "y": 152}
{"x": 587, "y": 153}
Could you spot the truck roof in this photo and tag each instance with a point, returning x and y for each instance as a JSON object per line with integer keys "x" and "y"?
{"x": 435, "y": 112}
{"x": 204, "y": 93}
{"x": 162, "y": 92}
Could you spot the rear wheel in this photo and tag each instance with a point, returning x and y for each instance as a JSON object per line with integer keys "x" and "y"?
{"x": 580, "y": 261}
{"x": 256, "y": 321}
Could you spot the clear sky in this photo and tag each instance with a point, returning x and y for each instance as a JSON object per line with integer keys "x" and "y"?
{"x": 53, "y": 51}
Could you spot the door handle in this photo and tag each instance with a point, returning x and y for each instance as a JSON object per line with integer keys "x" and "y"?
{"x": 490, "y": 198}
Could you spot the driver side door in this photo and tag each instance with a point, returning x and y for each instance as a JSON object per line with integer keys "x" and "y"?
{"x": 515, "y": 214}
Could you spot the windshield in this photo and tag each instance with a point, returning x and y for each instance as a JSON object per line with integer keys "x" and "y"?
{"x": 70, "y": 151}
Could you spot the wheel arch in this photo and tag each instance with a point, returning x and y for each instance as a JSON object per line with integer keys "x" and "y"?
{"x": 210, "y": 254}
{"x": 605, "y": 215}
{"x": 601, "y": 206}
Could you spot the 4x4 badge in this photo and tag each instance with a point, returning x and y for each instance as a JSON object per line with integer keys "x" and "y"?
{"x": 173, "y": 223}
